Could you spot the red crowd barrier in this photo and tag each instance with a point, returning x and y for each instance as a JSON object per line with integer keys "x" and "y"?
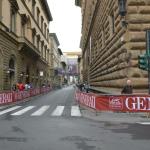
{"x": 10, "y": 97}
{"x": 124, "y": 103}
{"x": 6, "y": 97}
{"x": 86, "y": 99}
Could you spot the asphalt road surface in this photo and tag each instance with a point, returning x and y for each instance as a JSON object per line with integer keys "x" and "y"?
{"x": 55, "y": 122}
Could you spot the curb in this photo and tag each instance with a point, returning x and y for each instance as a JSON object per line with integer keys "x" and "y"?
{"x": 114, "y": 117}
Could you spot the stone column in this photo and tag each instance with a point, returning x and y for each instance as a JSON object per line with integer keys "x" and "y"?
{"x": 1, "y": 71}
{"x": 1, "y": 10}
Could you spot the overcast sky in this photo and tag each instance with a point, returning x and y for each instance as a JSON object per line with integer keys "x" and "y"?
{"x": 66, "y": 23}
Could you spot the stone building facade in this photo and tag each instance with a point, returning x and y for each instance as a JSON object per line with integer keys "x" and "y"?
{"x": 113, "y": 35}
{"x": 24, "y": 42}
{"x": 63, "y": 67}
{"x": 80, "y": 69}
{"x": 55, "y": 56}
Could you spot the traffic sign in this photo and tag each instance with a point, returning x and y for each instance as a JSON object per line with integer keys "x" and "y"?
{"x": 143, "y": 62}
{"x": 148, "y": 42}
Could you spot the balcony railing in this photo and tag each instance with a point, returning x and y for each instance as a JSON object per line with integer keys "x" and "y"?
{"x": 27, "y": 46}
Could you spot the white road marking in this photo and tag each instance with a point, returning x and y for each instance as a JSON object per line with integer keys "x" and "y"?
{"x": 18, "y": 113}
{"x": 41, "y": 111}
{"x": 144, "y": 123}
{"x": 58, "y": 111}
{"x": 75, "y": 111}
{"x": 9, "y": 110}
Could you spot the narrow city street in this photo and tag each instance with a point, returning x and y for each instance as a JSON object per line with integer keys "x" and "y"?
{"x": 55, "y": 122}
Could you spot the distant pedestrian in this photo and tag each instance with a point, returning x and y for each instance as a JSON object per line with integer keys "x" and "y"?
{"x": 29, "y": 86}
{"x": 81, "y": 87}
{"x": 86, "y": 87}
{"x": 14, "y": 87}
{"x": 127, "y": 89}
{"x": 26, "y": 86}
{"x": 21, "y": 86}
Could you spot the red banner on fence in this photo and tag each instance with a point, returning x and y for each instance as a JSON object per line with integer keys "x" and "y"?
{"x": 6, "y": 97}
{"x": 86, "y": 99}
{"x": 124, "y": 103}
{"x": 10, "y": 97}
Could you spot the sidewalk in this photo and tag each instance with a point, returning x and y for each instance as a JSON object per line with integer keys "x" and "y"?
{"x": 115, "y": 91}
{"x": 115, "y": 117}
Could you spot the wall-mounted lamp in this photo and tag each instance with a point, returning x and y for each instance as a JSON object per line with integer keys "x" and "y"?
{"x": 122, "y": 7}
{"x": 41, "y": 73}
{"x": 122, "y": 12}
{"x": 21, "y": 74}
{"x": 8, "y": 71}
{"x": 26, "y": 75}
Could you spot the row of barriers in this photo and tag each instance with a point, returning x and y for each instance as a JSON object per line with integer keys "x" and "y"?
{"x": 14, "y": 96}
{"x": 118, "y": 103}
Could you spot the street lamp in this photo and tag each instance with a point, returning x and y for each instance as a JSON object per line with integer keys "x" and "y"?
{"x": 21, "y": 76}
{"x": 41, "y": 75}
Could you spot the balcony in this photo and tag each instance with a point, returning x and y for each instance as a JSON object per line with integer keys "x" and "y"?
{"x": 43, "y": 60}
{"x": 27, "y": 47}
{"x": 64, "y": 60}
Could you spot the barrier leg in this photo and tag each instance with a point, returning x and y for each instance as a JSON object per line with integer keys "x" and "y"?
{"x": 95, "y": 112}
{"x": 148, "y": 115}
{"x": 78, "y": 104}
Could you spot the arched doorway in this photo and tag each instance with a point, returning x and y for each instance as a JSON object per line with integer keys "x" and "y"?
{"x": 37, "y": 78}
{"x": 11, "y": 71}
{"x": 27, "y": 75}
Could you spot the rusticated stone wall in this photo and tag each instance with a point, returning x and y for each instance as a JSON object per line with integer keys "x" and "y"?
{"x": 110, "y": 55}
